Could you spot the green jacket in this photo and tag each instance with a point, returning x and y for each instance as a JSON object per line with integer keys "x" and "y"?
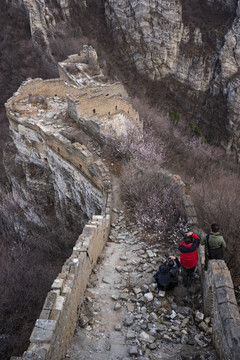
{"x": 215, "y": 240}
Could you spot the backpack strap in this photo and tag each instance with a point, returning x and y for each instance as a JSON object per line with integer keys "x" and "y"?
{"x": 207, "y": 238}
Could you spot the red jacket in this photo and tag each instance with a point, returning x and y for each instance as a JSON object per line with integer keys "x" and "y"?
{"x": 189, "y": 256}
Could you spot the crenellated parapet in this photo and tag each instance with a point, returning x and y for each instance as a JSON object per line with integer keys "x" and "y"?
{"x": 54, "y": 329}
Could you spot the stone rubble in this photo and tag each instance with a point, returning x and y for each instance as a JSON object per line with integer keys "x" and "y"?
{"x": 129, "y": 317}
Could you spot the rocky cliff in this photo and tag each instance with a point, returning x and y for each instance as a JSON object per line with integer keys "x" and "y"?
{"x": 50, "y": 171}
{"x": 189, "y": 49}
{"x": 48, "y": 176}
{"x": 193, "y": 47}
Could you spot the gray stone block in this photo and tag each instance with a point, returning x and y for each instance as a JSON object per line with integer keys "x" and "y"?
{"x": 39, "y": 354}
{"x": 50, "y": 300}
{"x": 232, "y": 335}
{"x": 223, "y": 279}
{"x": 225, "y": 294}
{"x": 43, "y": 331}
{"x": 228, "y": 311}
{"x": 44, "y": 314}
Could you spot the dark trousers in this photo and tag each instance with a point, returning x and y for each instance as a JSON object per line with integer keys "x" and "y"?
{"x": 187, "y": 275}
{"x": 167, "y": 287}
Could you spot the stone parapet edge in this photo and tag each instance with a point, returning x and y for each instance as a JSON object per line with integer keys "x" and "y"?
{"x": 219, "y": 299}
{"x": 54, "y": 329}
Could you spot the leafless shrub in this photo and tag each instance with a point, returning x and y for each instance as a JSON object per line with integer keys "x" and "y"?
{"x": 216, "y": 199}
{"x": 182, "y": 148}
{"x": 124, "y": 148}
{"x": 135, "y": 145}
{"x": 65, "y": 44}
{"x": 154, "y": 200}
{"x": 24, "y": 284}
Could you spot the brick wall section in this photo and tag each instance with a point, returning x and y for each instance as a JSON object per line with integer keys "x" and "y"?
{"x": 54, "y": 329}
{"x": 220, "y": 302}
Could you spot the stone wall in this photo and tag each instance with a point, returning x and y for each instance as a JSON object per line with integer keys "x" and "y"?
{"x": 49, "y": 88}
{"x": 220, "y": 302}
{"x": 54, "y": 329}
{"x": 103, "y": 113}
{"x": 219, "y": 299}
{"x": 80, "y": 178}
{"x": 39, "y": 138}
{"x": 81, "y": 69}
{"x": 36, "y": 130}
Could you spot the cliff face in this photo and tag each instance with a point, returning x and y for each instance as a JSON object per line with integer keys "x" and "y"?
{"x": 49, "y": 177}
{"x": 190, "y": 48}
{"x": 194, "y": 47}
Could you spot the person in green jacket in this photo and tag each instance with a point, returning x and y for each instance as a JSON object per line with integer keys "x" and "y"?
{"x": 214, "y": 243}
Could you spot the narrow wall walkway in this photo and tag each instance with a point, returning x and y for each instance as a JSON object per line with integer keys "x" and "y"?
{"x": 124, "y": 316}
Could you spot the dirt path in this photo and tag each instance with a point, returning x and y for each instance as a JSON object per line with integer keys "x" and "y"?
{"x": 125, "y": 316}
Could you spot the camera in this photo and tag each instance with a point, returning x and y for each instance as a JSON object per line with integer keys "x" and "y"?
{"x": 167, "y": 256}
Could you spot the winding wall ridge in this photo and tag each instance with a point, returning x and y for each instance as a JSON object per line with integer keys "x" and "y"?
{"x": 54, "y": 329}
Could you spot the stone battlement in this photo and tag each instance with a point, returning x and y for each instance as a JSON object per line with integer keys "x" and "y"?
{"x": 103, "y": 112}
{"x": 100, "y": 111}
{"x": 54, "y": 329}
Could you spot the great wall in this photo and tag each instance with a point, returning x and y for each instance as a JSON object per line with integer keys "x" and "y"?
{"x": 100, "y": 109}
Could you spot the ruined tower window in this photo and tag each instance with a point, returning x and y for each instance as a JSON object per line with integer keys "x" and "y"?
{"x": 94, "y": 111}
{"x": 58, "y": 149}
{"x": 109, "y": 113}
{"x": 107, "y": 95}
{"x": 116, "y": 107}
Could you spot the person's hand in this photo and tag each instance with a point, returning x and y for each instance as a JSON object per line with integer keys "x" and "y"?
{"x": 189, "y": 233}
{"x": 172, "y": 257}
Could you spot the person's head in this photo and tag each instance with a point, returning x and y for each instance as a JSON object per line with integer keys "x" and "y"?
{"x": 215, "y": 227}
{"x": 170, "y": 263}
{"x": 187, "y": 239}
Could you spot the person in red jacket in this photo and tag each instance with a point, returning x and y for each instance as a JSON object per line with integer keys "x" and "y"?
{"x": 189, "y": 255}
